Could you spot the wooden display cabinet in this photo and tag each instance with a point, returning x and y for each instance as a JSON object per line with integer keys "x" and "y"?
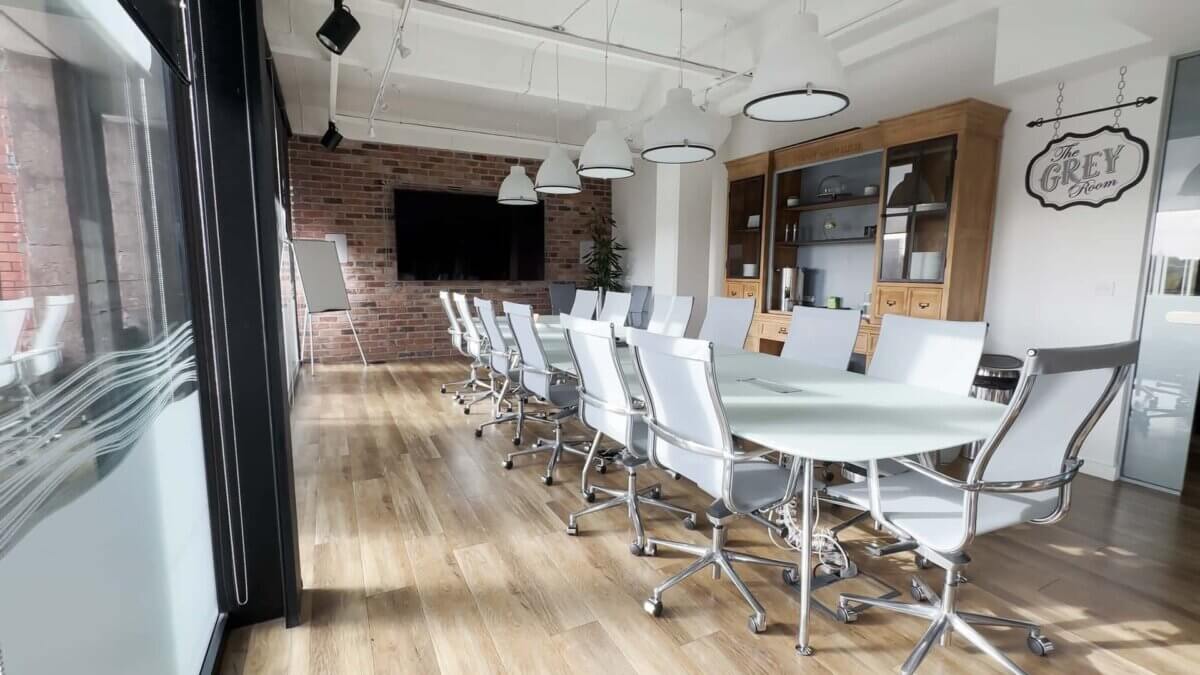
{"x": 745, "y": 223}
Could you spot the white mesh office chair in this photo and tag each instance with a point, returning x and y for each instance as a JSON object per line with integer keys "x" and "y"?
{"x": 607, "y": 407}
{"x": 476, "y": 345}
{"x": 670, "y": 315}
{"x": 821, "y": 337}
{"x": 1022, "y": 475}
{"x": 13, "y": 314}
{"x": 539, "y": 380}
{"x": 941, "y": 355}
{"x": 459, "y": 342}
{"x": 615, "y": 309}
{"x": 727, "y": 322}
{"x": 585, "y": 303}
{"x": 690, "y": 435}
{"x": 501, "y": 360}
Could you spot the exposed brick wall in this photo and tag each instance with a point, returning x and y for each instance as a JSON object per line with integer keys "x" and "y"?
{"x": 349, "y": 191}
{"x": 14, "y": 277}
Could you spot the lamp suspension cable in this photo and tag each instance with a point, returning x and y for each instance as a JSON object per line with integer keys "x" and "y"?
{"x": 607, "y": 40}
{"x": 681, "y": 43}
{"x": 557, "y": 98}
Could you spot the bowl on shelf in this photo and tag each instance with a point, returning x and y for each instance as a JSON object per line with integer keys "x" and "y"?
{"x": 792, "y": 202}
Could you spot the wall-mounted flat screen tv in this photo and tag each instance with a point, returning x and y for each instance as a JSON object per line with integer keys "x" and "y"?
{"x": 449, "y": 236}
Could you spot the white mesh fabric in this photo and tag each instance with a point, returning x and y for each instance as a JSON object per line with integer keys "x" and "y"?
{"x": 821, "y": 337}
{"x": 941, "y": 355}
{"x": 600, "y": 377}
{"x": 498, "y": 348}
{"x": 529, "y": 345}
{"x": 727, "y": 322}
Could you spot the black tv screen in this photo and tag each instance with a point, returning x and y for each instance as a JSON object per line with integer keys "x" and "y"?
{"x": 450, "y": 235}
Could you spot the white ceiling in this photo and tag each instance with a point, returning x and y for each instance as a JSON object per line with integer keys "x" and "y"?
{"x": 472, "y": 73}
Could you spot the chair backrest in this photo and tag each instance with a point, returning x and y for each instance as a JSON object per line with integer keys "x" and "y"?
{"x": 821, "y": 337}
{"x": 1061, "y": 396}
{"x": 562, "y": 295}
{"x": 615, "y": 309}
{"x": 660, "y": 309}
{"x": 455, "y": 329}
{"x": 535, "y": 367}
{"x": 638, "y": 310}
{"x": 727, "y": 322}
{"x": 605, "y": 403}
{"x": 470, "y": 332}
{"x": 942, "y": 355}
{"x": 689, "y": 432}
{"x": 54, "y": 314}
{"x": 680, "y": 315}
{"x": 499, "y": 358}
{"x": 584, "y": 306}
{"x": 13, "y": 314}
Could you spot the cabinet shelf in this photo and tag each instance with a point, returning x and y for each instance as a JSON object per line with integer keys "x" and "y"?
{"x": 826, "y": 242}
{"x": 835, "y": 204}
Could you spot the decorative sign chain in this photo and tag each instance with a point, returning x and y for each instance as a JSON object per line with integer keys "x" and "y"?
{"x": 1120, "y": 98}
{"x": 1058, "y": 110}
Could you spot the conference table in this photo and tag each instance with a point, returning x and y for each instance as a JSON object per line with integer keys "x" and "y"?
{"x": 821, "y": 414}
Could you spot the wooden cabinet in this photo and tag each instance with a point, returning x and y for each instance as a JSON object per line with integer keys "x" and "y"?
{"x": 930, "y": 223}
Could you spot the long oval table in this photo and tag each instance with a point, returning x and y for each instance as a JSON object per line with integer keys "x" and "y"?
{"x": 821, "y": 414}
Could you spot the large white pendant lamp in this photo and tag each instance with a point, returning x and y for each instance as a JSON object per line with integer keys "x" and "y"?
{"x": 606, "y": 155}
{"x": 679, "y": 133}
{"x": 799, "y": 76}
{"x": 517, "y": 189}
{"x": 557, "y": 175}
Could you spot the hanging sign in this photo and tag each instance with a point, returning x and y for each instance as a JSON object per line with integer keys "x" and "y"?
{"x": 1089, "y": 169}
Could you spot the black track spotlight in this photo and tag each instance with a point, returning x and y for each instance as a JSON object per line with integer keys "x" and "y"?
{"x": 339, "y": 29}
{"x": 332, "y": 137}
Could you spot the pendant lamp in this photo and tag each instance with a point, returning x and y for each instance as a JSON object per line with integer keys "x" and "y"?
{"x": 679, "y": 133}
{"x": 557, "y": 175}
{"x": 799, "y": 76}
{"x": 606, "y": 155}
{"x": 517, "y": 189}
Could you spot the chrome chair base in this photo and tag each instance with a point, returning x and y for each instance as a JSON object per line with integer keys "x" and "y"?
{"x": 721, "y": 559}
{"x": 945, "y": 618}
{"x": 631, "y": 498}
{"x": 555, "y": 446}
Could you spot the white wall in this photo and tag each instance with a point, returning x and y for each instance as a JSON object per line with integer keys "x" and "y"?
{"x": 1062, "y": 278}
{"x": 634, "y": 206}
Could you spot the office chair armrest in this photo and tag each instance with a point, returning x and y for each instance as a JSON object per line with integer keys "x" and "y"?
{"x": 32, "y": 353}
{"x": 934, "y": 474}
{"x": 1038, "y": 485}
{"x": 537, "y": 371}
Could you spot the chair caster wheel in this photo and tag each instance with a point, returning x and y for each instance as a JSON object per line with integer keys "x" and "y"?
{"x": 636, "y": 549}
{"x": 784, "y": 532}
{"x": 466, "y": 411}
{"x": 516, "y": 440}
{"x": 548, "y": 480}
{"x": 572, "y": 530}
{"x": 478, "y": 433}
{"x": 791, "y": 576}
{"x": 1039, "y": 644}
{"x": 689, "y": 523}
{"x": 589, "y": 497}
{"x": 922, "y": 562}
{"x": 507, "y": 464}
{"x": 917, "y": 593}
{"x": 655, "y": 494}
{"x": 756, "y": 625}
{"x": 443, "y": 388}
{"x": 846, "y": 615}
{"x": 653, "y": 607}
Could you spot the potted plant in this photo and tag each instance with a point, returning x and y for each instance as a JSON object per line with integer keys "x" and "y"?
{"x": 604, "y": 268}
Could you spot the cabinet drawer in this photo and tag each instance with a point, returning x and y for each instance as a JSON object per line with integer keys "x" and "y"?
{"x": 862, "y": 344}
{"x": 733, "y": 289}
{"x": 749, "y": 290}
{"x": 891, "y": 300}
{"x": 925, "y": 303}
{"x": 776, "y": 331}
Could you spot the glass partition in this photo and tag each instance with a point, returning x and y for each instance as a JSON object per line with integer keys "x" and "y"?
{"x": 106, "y": 560}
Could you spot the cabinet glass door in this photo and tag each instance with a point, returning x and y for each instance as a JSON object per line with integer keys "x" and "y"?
{"x": 745, "y": 228}
{"x": 106, "y": 553}
{"x": 1162, "y": 446}
{"x": 916, "y": 216}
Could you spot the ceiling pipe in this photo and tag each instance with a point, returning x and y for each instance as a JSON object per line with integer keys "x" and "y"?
{"x": 397, "y": 37}
{"x": 559, "y": 35}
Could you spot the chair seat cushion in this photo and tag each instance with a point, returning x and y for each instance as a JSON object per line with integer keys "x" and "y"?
{"x": 758, "y": 484}
{"x": 932, "y": 512}
{"x": 564, "y": 394}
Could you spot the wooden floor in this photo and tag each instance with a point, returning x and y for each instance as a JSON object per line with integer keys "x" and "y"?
{"x": 422, "y": 555}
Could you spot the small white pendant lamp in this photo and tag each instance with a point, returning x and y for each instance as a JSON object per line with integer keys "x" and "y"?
{"x": 799, "y": 76}
{"x": 606, "y": 155}
{"x": 679, "y": 133}
{"x": 517, "y": 189}
{"x": 557, "y": 175}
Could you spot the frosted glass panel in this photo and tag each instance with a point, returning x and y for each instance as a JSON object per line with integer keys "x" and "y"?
{"x": 106, "y": 561}
{"x": 1162, "y": 447}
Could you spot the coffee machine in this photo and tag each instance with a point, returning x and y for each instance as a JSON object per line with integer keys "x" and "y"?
{"x": 791, "y": 289}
